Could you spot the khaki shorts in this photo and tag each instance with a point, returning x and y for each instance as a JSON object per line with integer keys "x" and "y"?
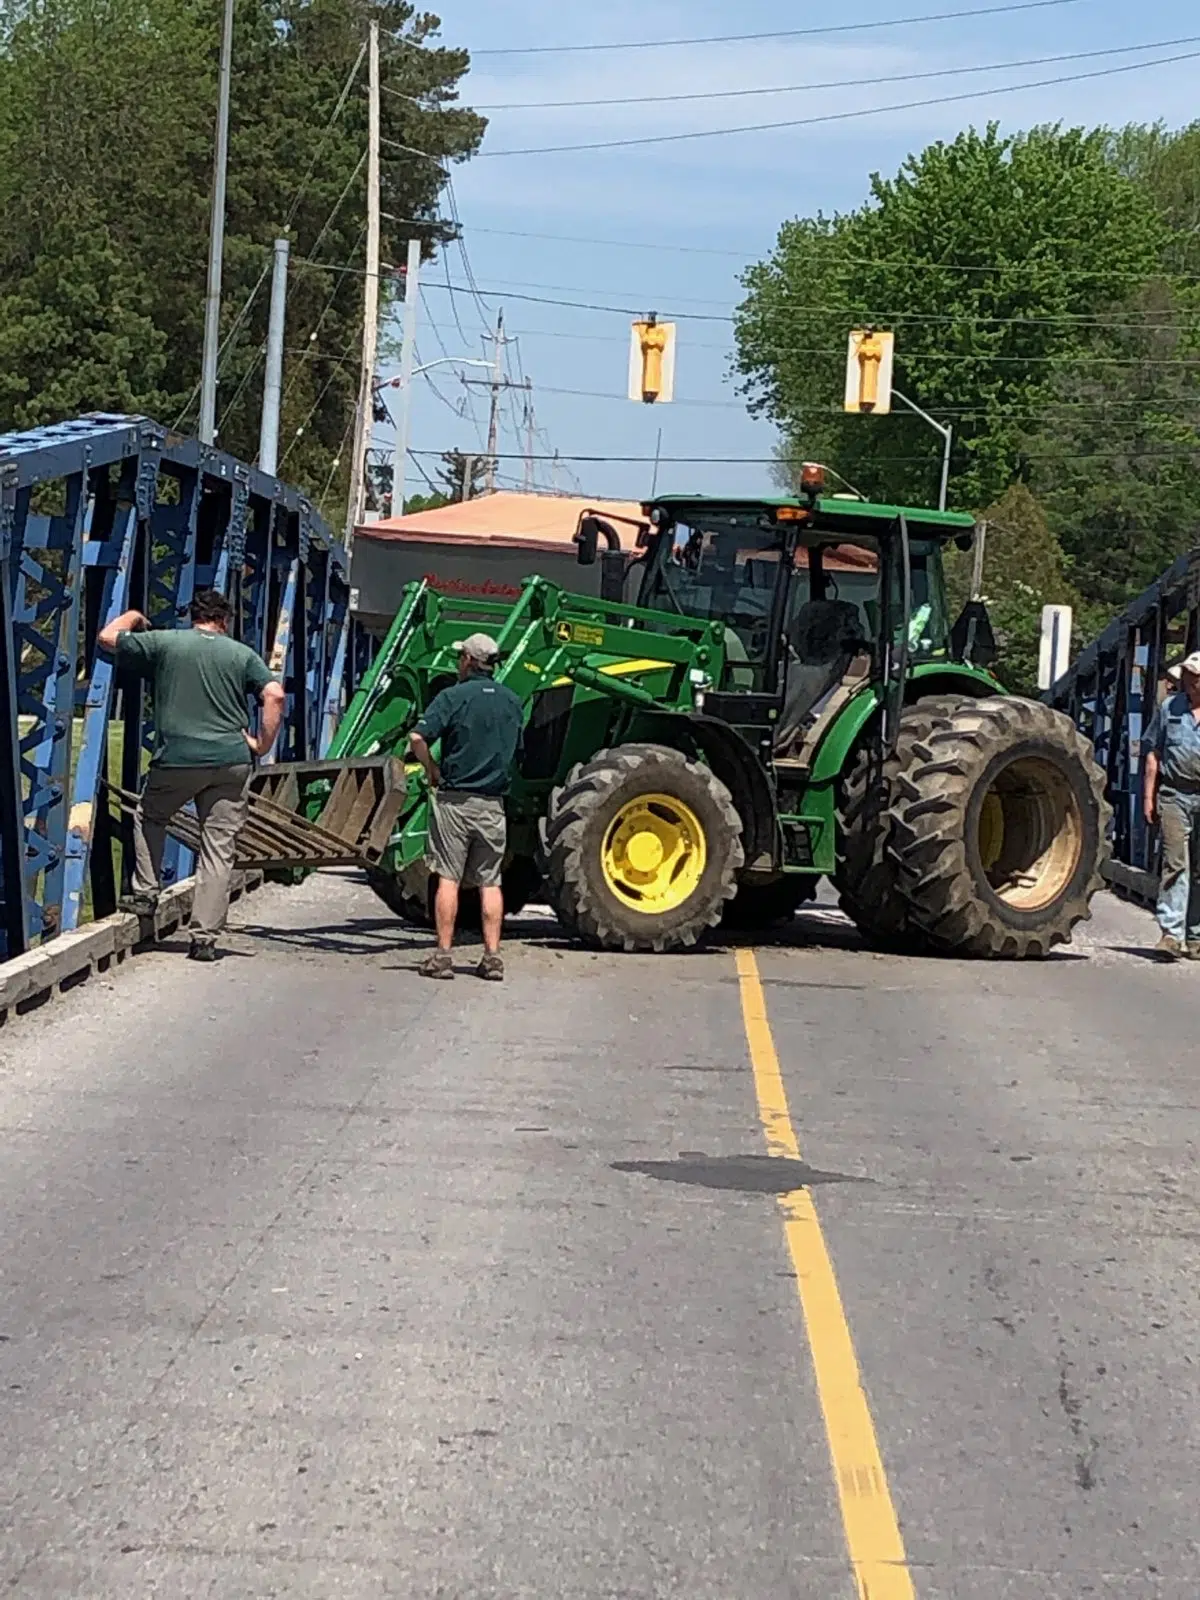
{"x": 467, "y": 835}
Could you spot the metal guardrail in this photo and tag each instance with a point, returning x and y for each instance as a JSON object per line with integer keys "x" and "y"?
{"x": 97, "y": 515}
{"x": 1111, "y": 692}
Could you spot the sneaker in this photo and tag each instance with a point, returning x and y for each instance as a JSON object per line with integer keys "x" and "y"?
{"x": 1168, "y": 948}
{"x": 139, "y": 903}
{"x": 491, "y": 968}
{"x": 1192, "y": 952}
{"x": 437, "y": 964}
{"x": 202, "y": 952}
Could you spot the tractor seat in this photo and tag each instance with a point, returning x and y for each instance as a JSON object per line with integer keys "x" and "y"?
{"x": 824, "y": 639}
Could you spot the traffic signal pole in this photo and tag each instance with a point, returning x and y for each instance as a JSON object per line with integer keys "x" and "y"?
{"x": 947, "y": 433}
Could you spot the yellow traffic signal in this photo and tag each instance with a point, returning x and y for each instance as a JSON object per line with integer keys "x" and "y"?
{"x": 652, "y": 361}
{"x": 869, "y": 372}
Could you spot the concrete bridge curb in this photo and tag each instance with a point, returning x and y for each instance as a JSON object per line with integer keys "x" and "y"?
{"x": 28, "y": 981}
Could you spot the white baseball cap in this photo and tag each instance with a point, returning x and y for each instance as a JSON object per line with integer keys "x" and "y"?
{"x": 1189, "y": 664}
{"x": 481, "y": 647}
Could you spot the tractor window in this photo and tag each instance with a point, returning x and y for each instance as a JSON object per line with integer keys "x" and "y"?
{"x": 929, "y": 632}
{"x": 727, "y": 571}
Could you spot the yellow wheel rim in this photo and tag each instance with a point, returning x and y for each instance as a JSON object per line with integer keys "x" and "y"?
{"x": 991, "y": 830}
{"x": 654, "y": 853}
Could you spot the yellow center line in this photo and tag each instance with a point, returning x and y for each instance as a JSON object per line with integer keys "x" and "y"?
{"x": 873, "y": 1536}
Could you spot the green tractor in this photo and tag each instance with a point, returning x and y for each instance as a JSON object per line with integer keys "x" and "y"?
{"x": 786, "y": 701}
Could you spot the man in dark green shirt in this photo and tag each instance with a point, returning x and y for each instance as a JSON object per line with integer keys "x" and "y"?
{"x": 479, "y": 723}
{"x": 201, "y": 683}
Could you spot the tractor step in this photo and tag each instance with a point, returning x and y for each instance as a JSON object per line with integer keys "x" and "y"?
{"x": 309, "y": 814}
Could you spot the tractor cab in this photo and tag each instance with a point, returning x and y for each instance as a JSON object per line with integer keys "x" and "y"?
{"x": 819, "y": 597}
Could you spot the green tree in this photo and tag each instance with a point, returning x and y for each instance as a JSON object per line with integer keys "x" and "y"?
{"x": 990, "y": 257}
{"x": 1116, "y": 455}
{"x": 1024, "y": 569}
{"x": 106, "y": 126}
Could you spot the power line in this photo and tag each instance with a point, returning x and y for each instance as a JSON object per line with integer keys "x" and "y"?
{"x": 837, "y": 83}
{"x": 671, "y": 248}
{"x": 835, "y": 116}
{"x": 1152, "y": 320}
{"x": 1081, "y": 359}
{"x": 334, "y": 115}
{"x": 780, "y": 33}
{"x": 1131, "y": 452}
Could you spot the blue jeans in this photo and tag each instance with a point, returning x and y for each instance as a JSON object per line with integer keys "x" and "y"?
{"x": 1179, "y": 887}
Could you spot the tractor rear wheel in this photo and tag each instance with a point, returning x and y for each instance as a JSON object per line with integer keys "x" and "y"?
{"x": 999, "y": 828}
{"x": 867, "y": 877}
{"x": 641, "y": 847}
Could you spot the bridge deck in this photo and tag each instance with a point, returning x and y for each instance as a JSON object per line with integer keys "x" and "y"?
{"x": 319, "y": 1280}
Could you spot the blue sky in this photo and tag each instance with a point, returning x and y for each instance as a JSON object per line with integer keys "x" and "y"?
{"x": 673, "y": 225}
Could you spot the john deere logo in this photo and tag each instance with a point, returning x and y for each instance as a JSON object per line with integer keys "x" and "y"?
{"x": 563, "y": 633}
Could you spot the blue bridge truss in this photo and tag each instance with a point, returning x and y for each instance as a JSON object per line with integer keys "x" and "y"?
{"x": 1111, "y": 693}
{"x": 98, "y": 515}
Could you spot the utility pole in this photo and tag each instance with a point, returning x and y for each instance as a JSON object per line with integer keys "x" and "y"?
{"x": 528, "y": 436}
{"x": 494, "y": 414}
{"x": 408, "y": 346}
{"x": 468, "y": 475}
{"x": 366, "y": 394}
{"x": 216, "y": 242}
{"x": 268, "y": 436}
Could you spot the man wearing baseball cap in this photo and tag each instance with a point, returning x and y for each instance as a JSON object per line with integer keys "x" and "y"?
{"x": 479, "y": 723}
{"x": 1171, "y": 798}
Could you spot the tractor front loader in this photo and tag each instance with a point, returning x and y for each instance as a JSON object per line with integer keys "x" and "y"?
{"x": 787, "y": 701}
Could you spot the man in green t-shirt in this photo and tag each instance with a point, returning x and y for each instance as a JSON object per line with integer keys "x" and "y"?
{"x": 201, "y": 681}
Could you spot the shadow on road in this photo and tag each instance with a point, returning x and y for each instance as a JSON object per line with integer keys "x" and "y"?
{"x": 756, "y": 1174}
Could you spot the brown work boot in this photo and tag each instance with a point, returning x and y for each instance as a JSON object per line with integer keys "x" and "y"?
{"x": 1192, "y": 952}
{"x": 437, "y": 964}
{"x": 1168, "y": 948}
{"x": 491, "y": 967}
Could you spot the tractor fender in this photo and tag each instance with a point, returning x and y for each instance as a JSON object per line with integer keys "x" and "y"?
{"x": 848, "y": 728}
{"x": 733, "y": 760}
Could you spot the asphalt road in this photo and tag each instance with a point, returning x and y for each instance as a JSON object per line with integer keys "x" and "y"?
{"x": 317, "y": 1280}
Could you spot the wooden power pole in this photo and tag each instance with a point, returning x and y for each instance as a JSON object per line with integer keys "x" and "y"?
{"x": 365, "y": 415}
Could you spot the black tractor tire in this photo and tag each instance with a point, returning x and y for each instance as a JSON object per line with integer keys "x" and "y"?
{"x": 581, "y": 816}
{"x": 867, "y": 877}
{"x": 767, "y": 905}
{"x": 999, "y": 829}
{"x": 407, "y": 897}
{"x": 410, "y": 896}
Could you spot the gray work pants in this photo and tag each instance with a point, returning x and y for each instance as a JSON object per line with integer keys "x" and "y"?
{"x": 220, "y": 796}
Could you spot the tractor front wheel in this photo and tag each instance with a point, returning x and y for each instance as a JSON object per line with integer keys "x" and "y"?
{"x": 410, "y": 895}
{"x": 641, "y": 848}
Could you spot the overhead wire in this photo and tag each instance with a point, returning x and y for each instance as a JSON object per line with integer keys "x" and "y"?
{"x": 1179, "y": 452}
{"x": 851, "y": 114}
{"x": 815, "y": 86}
{"x": 828, "y": 29}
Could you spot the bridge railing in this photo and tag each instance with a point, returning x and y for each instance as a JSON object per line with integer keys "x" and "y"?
{"x": 1111, "y": 693}
{"x": 98, "y": 515}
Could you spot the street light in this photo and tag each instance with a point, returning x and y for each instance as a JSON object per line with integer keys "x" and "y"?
{"x": 400, "y": 450}
{"x": 947, "y": 434}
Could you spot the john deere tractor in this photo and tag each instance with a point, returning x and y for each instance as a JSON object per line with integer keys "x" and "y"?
{"x": 785, "y": 701}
